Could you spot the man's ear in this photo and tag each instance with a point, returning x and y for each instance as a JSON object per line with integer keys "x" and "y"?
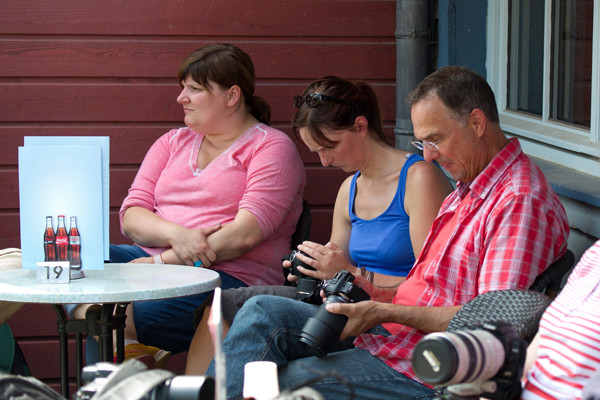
{"x": 362, "y": 125}
{"x": 234, "y": 94}
{"x": 478, "y": 121}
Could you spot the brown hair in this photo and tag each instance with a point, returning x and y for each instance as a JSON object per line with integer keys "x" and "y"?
{"x": 226, "y": 65}
{"x": 460, "y": 89}
{"x": 339, "y": 115}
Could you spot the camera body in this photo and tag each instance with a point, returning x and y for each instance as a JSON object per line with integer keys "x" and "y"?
{"x": 486, "y": 361}
{"x": 322, "y": 331}
{"x": 306, "y": 285}
{"x": 103, "y": 376}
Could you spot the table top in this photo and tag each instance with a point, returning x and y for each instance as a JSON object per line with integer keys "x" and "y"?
{"x": 116, "y": 283}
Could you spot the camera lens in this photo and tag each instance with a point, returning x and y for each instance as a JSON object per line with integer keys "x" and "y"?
{"x": 323, "y": 330}
{"x": 306, "y": 285}
{"x": 446, "y": 358}
{"x": 185, "y": 388}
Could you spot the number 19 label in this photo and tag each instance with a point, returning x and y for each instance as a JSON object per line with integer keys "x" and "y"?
{"x": 53, "y": 272}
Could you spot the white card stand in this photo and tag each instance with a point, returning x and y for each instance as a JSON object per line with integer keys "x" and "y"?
{"x": 53, "y": 272}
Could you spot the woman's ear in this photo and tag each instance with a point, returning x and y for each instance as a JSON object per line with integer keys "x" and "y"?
{"x": 362, "y": 125}
{"x": 234, "y": 94}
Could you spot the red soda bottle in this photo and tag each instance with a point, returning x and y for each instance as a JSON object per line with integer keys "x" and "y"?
{"x": 49, "y": 245}
{"x": 74, "y": 245}
{"x": 62, "y": 240}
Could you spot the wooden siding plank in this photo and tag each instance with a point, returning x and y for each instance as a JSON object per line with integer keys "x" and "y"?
{"x": 146, "y": 58}
{"x": 256, "y": 18}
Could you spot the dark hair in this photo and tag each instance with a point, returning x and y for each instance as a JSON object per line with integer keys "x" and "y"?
{"x": 460, "y": 89}
{"x": 225, "y": 65}
{"x": 337, "y": 116}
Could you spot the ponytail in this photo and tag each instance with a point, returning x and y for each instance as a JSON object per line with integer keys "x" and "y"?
{"x": 260, "y": 109}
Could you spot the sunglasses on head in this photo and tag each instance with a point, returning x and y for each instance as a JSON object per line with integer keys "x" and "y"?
{"x": 314, "y": 99}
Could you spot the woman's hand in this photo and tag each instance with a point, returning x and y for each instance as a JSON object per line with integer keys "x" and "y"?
{"x": 191, "y": 245}
{"x": 290, "y": 277}
{"x": 327, "y": 260}
{"x": 143, "y": 260}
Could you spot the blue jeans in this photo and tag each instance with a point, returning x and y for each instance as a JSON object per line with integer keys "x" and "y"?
{"x": 123, "y": 253}
{"x": 267, "y": 328}
{"x": 169, "y": 324}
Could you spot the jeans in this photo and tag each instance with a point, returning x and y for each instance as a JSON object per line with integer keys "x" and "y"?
{"x": 267, "y": 328}
{"x": 169, "y": 324}
{"x": 123, "y": 253}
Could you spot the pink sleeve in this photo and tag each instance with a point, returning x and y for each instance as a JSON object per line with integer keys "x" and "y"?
{"x": 141, "y": 192}
{"x": 275, "y": 172}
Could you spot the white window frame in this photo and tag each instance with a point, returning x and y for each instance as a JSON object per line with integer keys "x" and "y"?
{"x": 565, "y": 144}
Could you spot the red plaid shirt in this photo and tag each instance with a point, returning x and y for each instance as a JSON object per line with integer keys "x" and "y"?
{"x": 498, "y": 232}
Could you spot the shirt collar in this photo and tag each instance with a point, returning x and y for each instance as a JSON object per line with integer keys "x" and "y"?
{"x": 481, "y": 185}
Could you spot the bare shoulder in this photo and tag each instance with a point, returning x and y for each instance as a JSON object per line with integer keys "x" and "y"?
{"x": 425, "y": 170}
{"x": 427, "y": 175}
{"x": 344, "y": 191}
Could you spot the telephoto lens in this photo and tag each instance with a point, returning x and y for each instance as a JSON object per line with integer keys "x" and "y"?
{"x": 305, "y": 285}
{"x": 322, "y": 331}
{"x": 470, "y": 363}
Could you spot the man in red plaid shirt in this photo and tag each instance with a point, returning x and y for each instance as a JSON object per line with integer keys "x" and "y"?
{"x": 500, "y": 228}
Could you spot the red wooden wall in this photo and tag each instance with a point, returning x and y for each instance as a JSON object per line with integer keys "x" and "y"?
{"x": 108, "y": 68}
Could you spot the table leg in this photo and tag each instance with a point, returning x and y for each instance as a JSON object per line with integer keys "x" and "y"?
{"x": 119, "y": 326}
{"x": 64, "y": 349}
{"x": 78, "y": 357}
{"x": 105, "y": 341}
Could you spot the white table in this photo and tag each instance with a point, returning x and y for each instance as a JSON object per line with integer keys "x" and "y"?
{"x": 114, "y": 286}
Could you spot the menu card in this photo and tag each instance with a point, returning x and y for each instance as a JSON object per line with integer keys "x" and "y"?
{"x": 64, "y": 200}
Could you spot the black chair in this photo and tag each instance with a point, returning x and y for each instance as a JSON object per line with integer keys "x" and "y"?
{"x": 550, "y": 281}
{"x": 303, "y": 226}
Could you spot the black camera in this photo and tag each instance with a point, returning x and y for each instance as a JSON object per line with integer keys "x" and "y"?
{"x": 306, "y": 285}
{"x": 323, "y": 330}
{"x": 486, "y": 361}
{"x": 103, "y": 377}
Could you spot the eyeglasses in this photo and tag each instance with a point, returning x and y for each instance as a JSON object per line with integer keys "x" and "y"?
{"x": 314, "y": 99}
{"x": 421, "y": 145}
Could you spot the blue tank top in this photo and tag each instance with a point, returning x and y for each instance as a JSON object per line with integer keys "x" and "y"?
{"x": 382, "y": 244}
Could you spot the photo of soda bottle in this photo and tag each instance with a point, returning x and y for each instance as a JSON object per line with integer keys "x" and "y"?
{"x": 74, "y": 245}
{"x": 62, "y": 240}
{"x": 49, "y": 241}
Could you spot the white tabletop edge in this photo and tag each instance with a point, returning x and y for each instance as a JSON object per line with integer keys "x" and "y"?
{"x": 116, "y": 283}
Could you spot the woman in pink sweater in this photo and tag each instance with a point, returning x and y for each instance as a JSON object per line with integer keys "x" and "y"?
{"x": 225, "y": 192}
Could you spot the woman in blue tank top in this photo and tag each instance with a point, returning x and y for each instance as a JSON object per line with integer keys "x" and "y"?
{"x": 382, "y": 213}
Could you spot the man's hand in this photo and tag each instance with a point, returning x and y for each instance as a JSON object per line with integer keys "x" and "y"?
{"x": 191, "y": 245}
{"x": 359, "y": 316}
